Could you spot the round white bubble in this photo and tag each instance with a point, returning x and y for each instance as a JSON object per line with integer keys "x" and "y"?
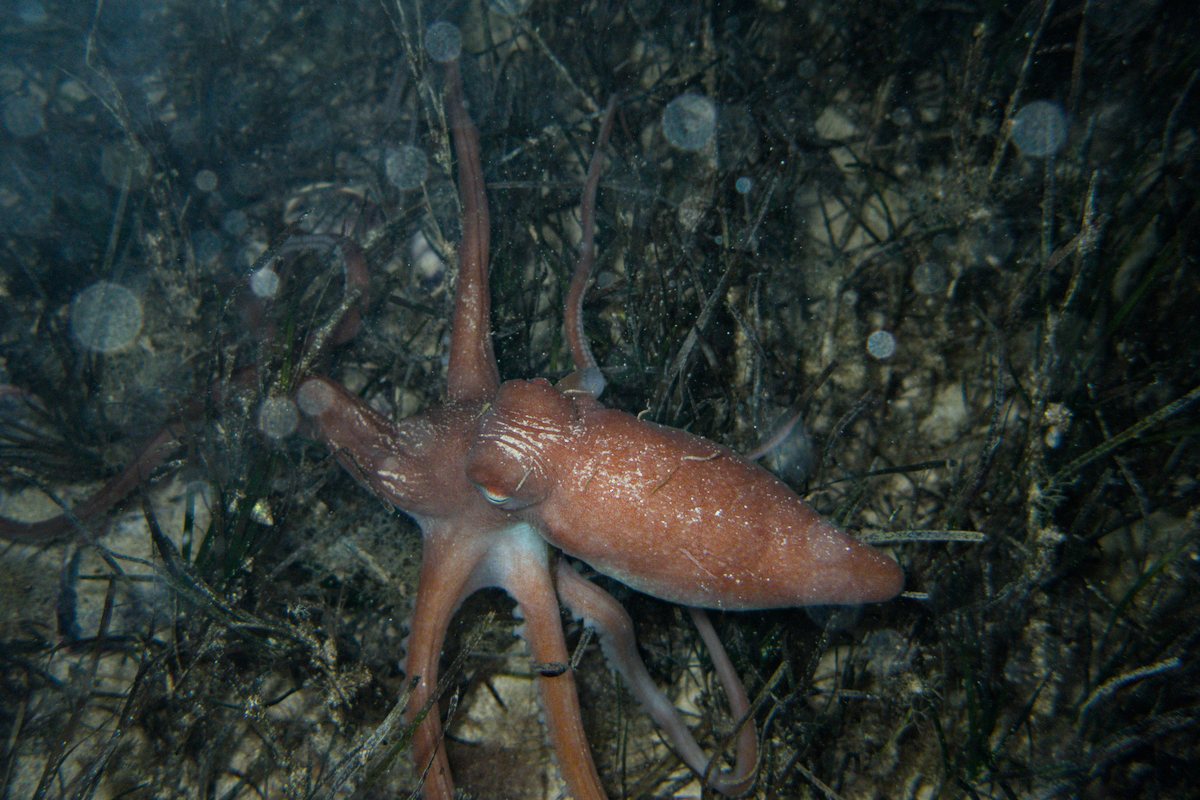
{"x": 31, "y": 12}
{"x": 235, "y": 223}
{"x": 106, "y": 317}
{"x": 929, "y": 277}
{"x": 881, "y": 345}
{"x": 314, "y": 398}
{"x": 443, "y": 42}
{"x": 689, "y": 121}
{"x": 1039, "y": 129}
{"x": 278, "y": 417}
{"x": 23, "y": 116}
{"x": 207, "y": 246}
{"x": 205, "y": 180}
{"x": 406, "y": 167}
{"x": 743, "y": 185}
{"x": 265, "y": 283}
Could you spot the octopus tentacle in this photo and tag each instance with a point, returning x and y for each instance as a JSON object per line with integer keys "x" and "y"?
{"x": 449, "y": 565}
{"x": 581, "y": 351}
{"x": 472, "y": 374}
{"x": 739, "y": 781}
{"x": 599, "y": 610}
{"x": 530, "y": 584}
{"x": 71, "y": 523}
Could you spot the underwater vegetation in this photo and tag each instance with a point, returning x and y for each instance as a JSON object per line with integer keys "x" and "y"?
{"x": 933, "y": 265}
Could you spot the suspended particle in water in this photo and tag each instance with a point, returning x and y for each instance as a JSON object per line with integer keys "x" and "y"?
{"x": 265, "y": 283}
{"x": 106, "y": 317}
{"x": 1039, "y": 129}
{"x": 443, "y": 42}
{"x": 235, "y": 223}
{"x": 689, "y": 121}
{"x": 743, "y": 185}
{"x": 278, "y": 417}
{"x": 207, "y": 246}
{"x": 406, "y": 167}
{"x": 881, "y": 345}
{"x": 23, "y": 116}
{"x": 315, "y": 398}
{"x": 31, "y": 12}
{"x": 205, "y": 180}
{"x": 929, "y": 277}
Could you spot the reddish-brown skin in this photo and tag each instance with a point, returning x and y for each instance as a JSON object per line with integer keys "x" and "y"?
{"x": 500, "y": 475}
{"x": 502, "y": 472}
{"x": 666, "y": 512}
{"x": 73, "y": 525}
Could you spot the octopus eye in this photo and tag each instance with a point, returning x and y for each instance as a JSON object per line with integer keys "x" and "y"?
{"x": 507, "y": 502}
{"x": 495, "y": 498}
